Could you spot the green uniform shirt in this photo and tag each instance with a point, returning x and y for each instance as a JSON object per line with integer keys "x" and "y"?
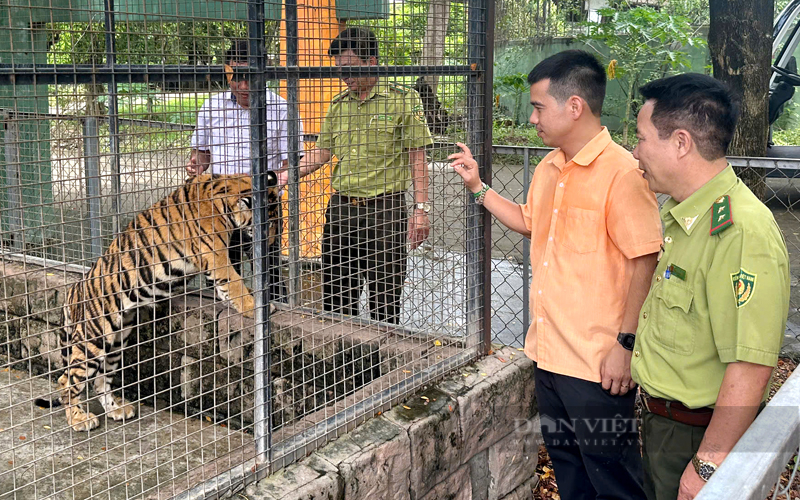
{"x": 725, "y": 298}
{"x": 371, "y": 139}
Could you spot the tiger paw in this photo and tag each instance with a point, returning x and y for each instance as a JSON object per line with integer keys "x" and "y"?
{"x": 82, "y": 421}
{"x": 246, "y": 306}
{"x": 124, "y": 411}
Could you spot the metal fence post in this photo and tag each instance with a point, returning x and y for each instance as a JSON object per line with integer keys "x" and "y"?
{"x": 13, "y": 188}
{"x": 293, "y": 115}
{"x": 91, "y": 162}
{"x": 258, "y": 164}
{"x": 478, "y": 244}
{"x": 526, "y": 250}
{"x": 113, "y": 116}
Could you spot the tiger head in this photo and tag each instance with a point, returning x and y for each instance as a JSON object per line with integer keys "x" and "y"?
{"x": 237, "y": 193}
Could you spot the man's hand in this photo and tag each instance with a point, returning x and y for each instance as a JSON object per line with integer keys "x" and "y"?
{"x": 691, "y": 483}
{"x": 419, "y": 227}
{"x": 615, "y": 371}
{"x": 466, "y": 166}
{"x": 198, "y": 162}
{"x": 283, "y": 177}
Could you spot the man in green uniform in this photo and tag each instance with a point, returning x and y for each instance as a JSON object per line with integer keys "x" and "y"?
{"x": 712, "y": 325}
{"x": 377, "y": 131}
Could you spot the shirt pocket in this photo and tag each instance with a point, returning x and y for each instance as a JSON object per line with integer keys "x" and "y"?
{"x": 583, "y": 229}
{"x": 676, "y": 325}
{"x": 380, "y": 136}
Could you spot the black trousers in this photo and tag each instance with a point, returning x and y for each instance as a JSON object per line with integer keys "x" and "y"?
{"x": 365, "y": 241}
{"x": 592, "y": 438}
{"x": 241, "y": 248}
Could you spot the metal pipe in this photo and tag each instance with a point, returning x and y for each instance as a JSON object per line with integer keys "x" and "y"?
{"x": 292, "y": 97}
{"x": 69, "y": 74}
{"x": 262, "y": 424}
{"x": 91, "y": 163}
{"x": 13, "y": 189}
{"x": 526, "y": 251}
{"x": 478, "y": 244}
{"x": 113, "y": 115}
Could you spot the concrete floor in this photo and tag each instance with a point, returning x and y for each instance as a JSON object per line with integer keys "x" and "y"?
{"x": 154, "y": 455}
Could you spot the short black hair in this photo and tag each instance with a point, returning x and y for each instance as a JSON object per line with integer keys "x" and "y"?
{"x": 573, "y": 72}
{"x": 697, "y": 103}
{"x": 361, "y": 41}
{"x": 238, "y": 52}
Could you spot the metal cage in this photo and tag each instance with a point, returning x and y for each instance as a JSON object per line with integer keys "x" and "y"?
{"x": 190, "y": 327}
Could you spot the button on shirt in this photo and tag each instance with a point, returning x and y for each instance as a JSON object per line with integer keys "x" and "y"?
{"x": 728, "y": 301}
{"x": 588, "y": 218}
{"x": 371, "y": 139}
{"x": 223, "y": 128}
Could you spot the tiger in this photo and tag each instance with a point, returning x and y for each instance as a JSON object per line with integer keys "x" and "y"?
{"x": 186, "y": 233}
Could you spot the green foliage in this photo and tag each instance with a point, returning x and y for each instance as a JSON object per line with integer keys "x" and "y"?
{"x": 402, "y": 34}
{"x": 516, "y": 88}
{"x": 638, "y": 45}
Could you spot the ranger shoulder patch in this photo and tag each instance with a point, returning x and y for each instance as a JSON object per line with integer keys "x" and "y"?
{"x": 340, "y": 96}
{"x": 744, "y": 286}
{"x": 721, "y": 215}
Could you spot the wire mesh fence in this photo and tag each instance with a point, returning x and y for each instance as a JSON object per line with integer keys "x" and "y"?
{"x": 229, "y": 232}
{"x": 776, "y": 181}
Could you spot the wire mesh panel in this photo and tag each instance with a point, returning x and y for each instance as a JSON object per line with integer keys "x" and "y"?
{"x": 229, "y": 232}
{"x": 776, "y": 182}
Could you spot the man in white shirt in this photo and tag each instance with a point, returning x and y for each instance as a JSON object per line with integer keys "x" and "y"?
{"x": 221, "y": 144}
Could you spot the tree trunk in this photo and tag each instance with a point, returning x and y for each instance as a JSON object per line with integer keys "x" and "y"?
{"x": 740, "y": 42}
{"x": 435, "y": 32}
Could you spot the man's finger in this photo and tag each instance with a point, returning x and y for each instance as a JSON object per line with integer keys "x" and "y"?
{"x": 615, "y": 387}
{"x": 606, "y": 381}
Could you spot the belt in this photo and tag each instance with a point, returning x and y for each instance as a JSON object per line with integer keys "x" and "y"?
{"x": 363, "y": 201}
{"x": 674, "y": 410}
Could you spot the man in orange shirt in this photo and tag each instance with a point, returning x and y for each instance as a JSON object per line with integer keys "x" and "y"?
{"x": 595, "y": 233}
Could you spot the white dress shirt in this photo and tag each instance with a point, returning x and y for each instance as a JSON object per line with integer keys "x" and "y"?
{"x": 223, "y": 128}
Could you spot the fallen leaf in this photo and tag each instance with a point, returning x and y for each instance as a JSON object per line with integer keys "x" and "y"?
{"x": 450, "y": 407}
{"x": 437, "y": 342}
{"x": 520, "y": 349}
{"x": 223, "y": 425}
{"x": 406, "y": 371}
{"x": 103, "y": 448}
{"x": 406, "y": 407}
{"x": 79, "y": 457}
{"x": 50, "y": 274}
{"x": 502, "y": 360}
{"x": 23, "y": 438}
{"x": 10, "y": 462}
{"x": 208, "y": 418}
{"x": 483, "y": 374}
{"x": 465, "y": 374}
{"x": 423, "y": 397}
{"x": 46, "y": 426}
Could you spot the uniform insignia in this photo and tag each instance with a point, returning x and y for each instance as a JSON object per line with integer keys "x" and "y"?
{"x": 689, "y": 221}
{"x": 419, "y": 113}
{"x": 340, "y": 96}
{"x": 678, "y": 272}
{"x": 744, "y": 286}
{"x": 721, "y": 215}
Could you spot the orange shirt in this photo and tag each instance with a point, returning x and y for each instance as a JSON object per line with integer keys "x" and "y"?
{"x": 588, "y": 218}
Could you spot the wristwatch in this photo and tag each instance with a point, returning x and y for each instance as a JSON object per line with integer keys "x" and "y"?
{"x": 703, "y": 468}
{"x": 626, "y": 340}
{"x": 424, "y": 206}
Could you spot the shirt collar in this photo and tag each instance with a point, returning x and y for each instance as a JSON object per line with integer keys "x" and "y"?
{"x": 693, "y": 208}
{"x": 588, "y": 152}
{"x": 379, "y": 88}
